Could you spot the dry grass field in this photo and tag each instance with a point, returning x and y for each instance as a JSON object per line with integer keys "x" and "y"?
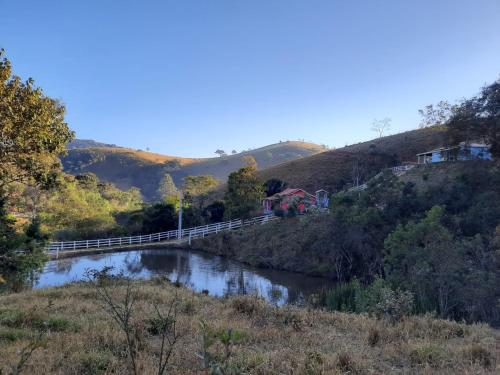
{"x": 239, "y": 335}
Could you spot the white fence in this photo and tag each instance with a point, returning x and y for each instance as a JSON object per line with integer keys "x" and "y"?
{"x": 402, "y": 168}
{"x": 188, "y": 233}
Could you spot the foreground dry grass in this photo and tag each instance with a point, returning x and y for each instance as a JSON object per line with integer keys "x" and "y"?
{"x": 83, "y": 339}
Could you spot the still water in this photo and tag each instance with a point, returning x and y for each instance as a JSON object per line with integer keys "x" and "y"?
{"x": 198, "y": 271}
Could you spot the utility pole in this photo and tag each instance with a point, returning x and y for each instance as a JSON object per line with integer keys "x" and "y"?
{"x": 179, "y": 226}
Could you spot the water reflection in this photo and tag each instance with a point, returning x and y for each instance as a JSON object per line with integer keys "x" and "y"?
{"x": 198, "y": 271}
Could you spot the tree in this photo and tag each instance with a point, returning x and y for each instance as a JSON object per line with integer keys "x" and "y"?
{"x": 196, "y": 188}
{"x": 214, "y": 212}
{"x": 32, "y": 131}
{"x": 234, "y": 152}
{"x": 32, "y": 135}
{"x": 244, "y": 192}
{"x": 221, "y": 153}
{"x": 478, "y": 118}
{"x": 358, "y": 171}
{"x": 159, "y": 217}
{"x": 436, "y": 115}
{"x": 198, "y": 185}
{"x": 249, "y": 161}
{"x": 83, "y": 208}
{"x": 166, "y": 188}
{"x": 381, "y": 126}
{"x": 452, "y": 276}
{"x": 273, "y": 186}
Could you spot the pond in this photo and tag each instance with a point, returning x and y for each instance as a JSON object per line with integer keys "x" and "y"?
{"x": 198, "y": 271}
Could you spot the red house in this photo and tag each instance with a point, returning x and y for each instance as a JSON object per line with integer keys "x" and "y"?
{"x": 298, "y": 197}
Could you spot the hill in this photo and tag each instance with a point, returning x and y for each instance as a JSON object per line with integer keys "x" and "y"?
{"x": 87, "y": 143}
{"x": 128, "y": 168}
{"x": 334, "y": 170}
{"x": 444, "y": 215}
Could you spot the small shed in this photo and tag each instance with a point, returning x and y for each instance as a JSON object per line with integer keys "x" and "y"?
{"x": 322, "y": 199}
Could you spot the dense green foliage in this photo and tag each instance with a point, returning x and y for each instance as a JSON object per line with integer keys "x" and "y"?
{"x": 378, "y": 299}
{"x": 81, "y": 207}
{"x": 166, "y": 188}
{"x": 32, "y": 131}
{"x": 244, "y": 192}
{"x": 20, "y": 252}
{"x": 433, "y": 233}
{"x": 32, "y": 134}
{"x": 159, "y": 218}
{"x": 273, "y": 186}
{"x": 196, "y": 190}
{"x": 478, "y": 118}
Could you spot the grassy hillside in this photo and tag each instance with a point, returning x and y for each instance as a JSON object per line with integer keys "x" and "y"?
{"x": 82, "y": 338}
{"x": 446, "y": 216}
{"x": 87, "y": 143}
{"x": 333, "y": 170}
{"x": 128, "y": 168}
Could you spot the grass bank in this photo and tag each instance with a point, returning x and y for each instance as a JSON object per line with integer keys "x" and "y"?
{"x": 300, "y": 244}
{"x": 240, "y": 335}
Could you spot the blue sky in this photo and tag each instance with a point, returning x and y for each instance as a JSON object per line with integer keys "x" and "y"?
{"x": 188, "y": 77}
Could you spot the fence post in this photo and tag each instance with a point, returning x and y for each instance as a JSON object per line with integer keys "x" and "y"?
{"x": 98, "y": 243}
{"x": 87, "y": 244}
{"x": 57, "y": 251}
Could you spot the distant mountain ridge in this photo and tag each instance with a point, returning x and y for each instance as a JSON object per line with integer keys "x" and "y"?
{"x": 87, "y": 143}
{"x": 128, "y": 168}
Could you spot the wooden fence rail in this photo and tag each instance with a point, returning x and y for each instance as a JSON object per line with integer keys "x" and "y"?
{"x": 188, "y": 233}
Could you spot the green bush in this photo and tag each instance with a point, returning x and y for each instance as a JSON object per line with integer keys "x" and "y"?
{"x": 94, "y": 363}
{"x": 13, "y": 334}
{"x": 431, "y": 355}
{"x": 343, "y": 297}
{"x": 33, "y": 319}
{"x": 394, "y": 305}
{"x": 377, "y": 299}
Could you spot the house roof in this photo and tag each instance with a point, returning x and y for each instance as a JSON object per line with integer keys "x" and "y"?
{"x": 288, "y": 191}
{"x": 440, "y": 149}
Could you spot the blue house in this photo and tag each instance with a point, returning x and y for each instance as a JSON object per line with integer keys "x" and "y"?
{"x": 463, "y": 151}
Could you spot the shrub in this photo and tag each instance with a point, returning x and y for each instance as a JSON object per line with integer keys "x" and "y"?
{"x": 430, "y": 355}
{"x": 373, "y": 337}
{"x": 345, "y": 363}
{"x": 394, "y": 305}
{"x": 12, "y": 335}
{"x": 248, "y": 305}
{"x": 157, "y": 325}
{"x": 479, "y": 355}
{"x": 33, "y": 319}
{"x": 314, "y": 363}
{"x": 343, "y": 297}
{"x": 94, "y": 363}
